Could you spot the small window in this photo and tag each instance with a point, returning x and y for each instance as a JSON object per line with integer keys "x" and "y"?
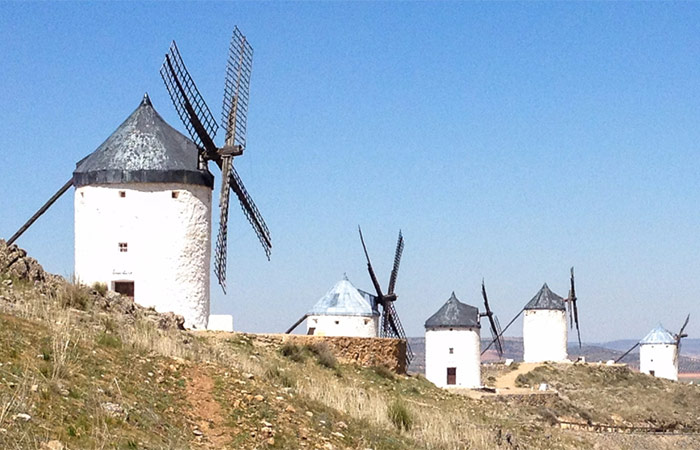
{"x": 312, "y": 331}
{"x": 174, "y": 194}
{"x": 452, "y": 350}
{"x": 122, "y": 194}
{"x": 337, "y": 322}
{"x": 123, "y": 247}
{"x": 82, "y": 194}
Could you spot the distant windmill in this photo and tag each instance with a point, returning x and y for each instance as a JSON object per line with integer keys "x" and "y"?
{"x": 659, "y": 352}
{"x": 202, "y": 127}
{"x": 391, "y": 325}
{"x": 547, "y": 300}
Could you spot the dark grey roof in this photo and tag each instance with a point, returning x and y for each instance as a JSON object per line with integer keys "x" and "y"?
{"x": 454, "y": 314}
{"x": 546, "y": 299}
{"x": 144, "y": 149}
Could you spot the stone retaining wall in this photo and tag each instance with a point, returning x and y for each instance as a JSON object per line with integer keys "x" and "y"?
{"x": 367, "y": 352}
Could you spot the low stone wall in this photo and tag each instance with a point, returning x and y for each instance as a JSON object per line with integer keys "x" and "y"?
{"x": 366, "y": 352}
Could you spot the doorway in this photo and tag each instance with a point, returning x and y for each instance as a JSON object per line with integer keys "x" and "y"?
{"x": 124, "y": 288}
{"x": 451, "y": 375}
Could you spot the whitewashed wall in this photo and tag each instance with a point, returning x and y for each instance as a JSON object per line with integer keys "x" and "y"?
{"x": 544, "y": 335}
{"x": 169, "y": 243}
{"x": 466, "y": 356}
{"x": 660, "y": 359}
{"x": 358, "y": 326}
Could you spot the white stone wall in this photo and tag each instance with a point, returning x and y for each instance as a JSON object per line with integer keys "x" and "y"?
{"x": 544, "y": 335}
{"x": 660, "y": 358}
{"x": 168, "y": 241}
{"x": 465, "y": 357}
{"x": 220, "y": 322}
{"x": 358, "y": 326}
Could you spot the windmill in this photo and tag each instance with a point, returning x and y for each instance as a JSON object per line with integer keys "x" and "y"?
{"x": 571, "y": 304}
{"x": 493, "y": 321}
{"x": 202, "y": 127}
{"x": 391, "y": 325}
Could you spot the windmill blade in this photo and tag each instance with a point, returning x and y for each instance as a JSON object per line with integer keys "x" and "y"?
{"x": 574, "y": 307}
{"x": 627, "y": 352}
{"x": 372, "y": 275}
{"x": 251, "y": 212}
{"x": 495, "y": 329}
{"x": 397, "y": 329}
{"x": 236, "y": 90}
{"x": 502, "y": 332}
{"x": 680, "y": 333}
{"x": 193, "y": 111}
{"x": 40, "y": 211}
{"x": 221, "y": 238}
{"x": 397, "y": 261}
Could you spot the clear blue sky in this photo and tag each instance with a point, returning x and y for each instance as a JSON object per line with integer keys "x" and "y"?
{"x": 508, "y": 141}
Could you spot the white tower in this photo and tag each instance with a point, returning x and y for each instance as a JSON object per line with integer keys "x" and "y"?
{"x": 143, "y": 217}
{"x": 544, "y": 328}
{"x": 453, "y": 346}
{"x": 343, "y": 311}
{"x": 658, "y": 354}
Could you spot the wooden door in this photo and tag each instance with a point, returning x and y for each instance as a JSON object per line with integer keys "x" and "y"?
{"x": 124, "y": 288}
{"x": 451, "y": 375}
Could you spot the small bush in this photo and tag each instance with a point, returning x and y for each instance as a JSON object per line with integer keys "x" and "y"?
{"x": 293, "y": 352}
{"x": 100, "y": 288}
{"x": 109, "y": 340}
{"x": 75, "y": 296}
{"x": 400, "y": 416}
{"x": 324, "y": 355}
{"x": 383, "y": 372}
{"x": 275, "y": 374}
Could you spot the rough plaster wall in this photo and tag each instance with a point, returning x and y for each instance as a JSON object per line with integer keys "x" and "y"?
{"x": 466, "y": 358}
{"x": 367, "y": 352}
{"x": 660, "y": 359}
{"x": 220, "y": 322}
{"x": 544, "y": 335}
{"x": 359, "y": 326}
{"x": 169, "y": 243}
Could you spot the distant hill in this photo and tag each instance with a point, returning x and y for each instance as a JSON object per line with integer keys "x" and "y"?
{"x": 513, "y": 348}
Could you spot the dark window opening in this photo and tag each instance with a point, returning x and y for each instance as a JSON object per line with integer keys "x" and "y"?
{"x": 311, "y": 331}
{"x": 123, "y": 247}
{"x": 452, "y": 350}
{"x": 175, "y": 194}
{"x": 451, "y": 375}
{"x": 337, "y": 322}
{"x": 122, "y": 194}
{"x": 124, "y": 288}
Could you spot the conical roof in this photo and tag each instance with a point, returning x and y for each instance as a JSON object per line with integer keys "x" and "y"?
{"x": 144, "y": 149}
{"x": 546, "y": 299}
{"x": 454, "y": 314}
{"x": 342, "y": 300}
{"x": 659, "y": 335}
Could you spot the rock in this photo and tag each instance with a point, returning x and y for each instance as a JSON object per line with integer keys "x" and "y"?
{"x": 22, "y": 416}
{"x": 113, "y": 409}
{"x": 290, "y": 409}
{"x": 259, "y": 398}
{"x": 338, "y": 434}
{"x": 52, "y": 445}
{"x": 271, "y": 441}
{"x": 309, "y": 413}
{"x": 34, "y": 388}
{"x": 249, "y": 376}
{"x": 197, "y": 432}
{"x": 342, "y": 425}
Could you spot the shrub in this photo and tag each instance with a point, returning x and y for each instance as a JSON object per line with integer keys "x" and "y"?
{"x": 109, "y": 340}
{"x": 293, "y": 352}
{"x": 324, "y": 355}
{"x": 275, "y": 374}
{"x": 100, "y": 288}
{"x": 383, "y": 372}
{"x": 400, "y": 416}
{"x": 74, "y": 295}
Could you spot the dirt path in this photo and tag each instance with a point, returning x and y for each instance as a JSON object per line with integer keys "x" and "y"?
{"x": 205, "y": 412}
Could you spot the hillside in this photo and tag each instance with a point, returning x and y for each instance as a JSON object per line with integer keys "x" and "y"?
{"x": 84, "y": 368}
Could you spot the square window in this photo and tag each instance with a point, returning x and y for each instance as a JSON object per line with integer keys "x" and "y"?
{"x": 123, "y": 247}
{"x": 122, "y": 194}
{"x": 337, "y": 322}
{"x": 174, "y": 194}
{"x": 452, "y": 350}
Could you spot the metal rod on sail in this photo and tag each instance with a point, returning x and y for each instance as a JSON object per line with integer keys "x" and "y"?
{"x": 502, "y": 332}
